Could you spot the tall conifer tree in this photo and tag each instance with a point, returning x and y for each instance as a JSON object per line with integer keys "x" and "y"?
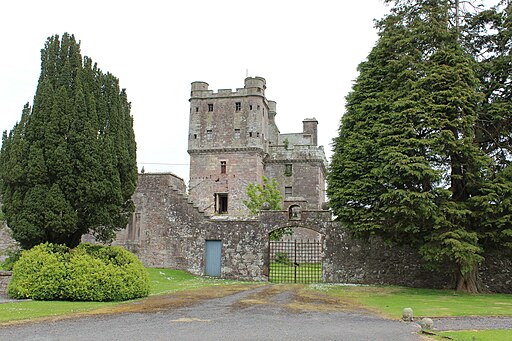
{"x": 69, "y": 166}
{"x": 407, "y": 164}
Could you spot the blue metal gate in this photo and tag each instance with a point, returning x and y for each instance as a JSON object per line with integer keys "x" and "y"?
{"x": 213, "y": 257}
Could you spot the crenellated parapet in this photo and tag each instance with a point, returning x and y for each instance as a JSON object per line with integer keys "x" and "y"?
{"x": 254, "y": 86}
{"x": 297, "y": 153}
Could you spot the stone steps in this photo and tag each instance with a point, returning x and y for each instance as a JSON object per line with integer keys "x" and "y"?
{"x": 185, "y": 197}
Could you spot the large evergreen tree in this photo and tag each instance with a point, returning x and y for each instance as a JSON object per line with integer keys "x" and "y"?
{"x": 407, "y": 164}
{"x": 68, "y": 167}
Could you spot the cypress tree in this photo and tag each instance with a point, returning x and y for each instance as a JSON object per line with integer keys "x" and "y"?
{"x": 69, "y": 166}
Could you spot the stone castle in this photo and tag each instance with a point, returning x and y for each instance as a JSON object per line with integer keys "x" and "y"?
{"x": 234, "y": 140}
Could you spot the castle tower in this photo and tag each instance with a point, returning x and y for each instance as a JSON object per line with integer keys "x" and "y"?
{"x": 228, "y": 140}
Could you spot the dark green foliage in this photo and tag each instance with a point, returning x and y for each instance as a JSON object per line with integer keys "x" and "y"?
{"x": 410, "y": 163}
{"x": 86, "y": 273}
{"x": 68, "y": 167}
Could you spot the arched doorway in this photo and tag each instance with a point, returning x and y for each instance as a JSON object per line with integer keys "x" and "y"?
{"x": 296, "y": 257}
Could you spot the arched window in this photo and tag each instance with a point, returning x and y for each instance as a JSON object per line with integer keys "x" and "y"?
{"x": 294, "y": 212}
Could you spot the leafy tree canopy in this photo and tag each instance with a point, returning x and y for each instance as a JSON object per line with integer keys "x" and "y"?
{"x": 260, "y": 193}
{"x": 419, "y": 158}
{"x": 68, "y": 167}
{"x": 268, "y": 192}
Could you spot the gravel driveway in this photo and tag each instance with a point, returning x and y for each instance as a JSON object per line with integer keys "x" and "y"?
{"x": 263, "y": 313}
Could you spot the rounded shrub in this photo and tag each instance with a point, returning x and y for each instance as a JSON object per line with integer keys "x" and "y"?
{"x": 40, "y": 273}
{"x": 87, "y": 273}
{"x": 105, "y": 273}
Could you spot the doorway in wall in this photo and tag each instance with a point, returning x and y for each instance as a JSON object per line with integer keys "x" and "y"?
{"x": 213, "y": 255}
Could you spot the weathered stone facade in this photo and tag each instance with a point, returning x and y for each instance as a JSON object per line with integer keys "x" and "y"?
{"x": 234, "y": 141}
{"x": 169, "y": 231}
{"x": 5, "y": 278}
{"x": 6, "y": 241}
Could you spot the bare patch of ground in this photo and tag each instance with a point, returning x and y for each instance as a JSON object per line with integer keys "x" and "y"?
{"x": 151, "y": 304}
{"x": 296, "y": 299}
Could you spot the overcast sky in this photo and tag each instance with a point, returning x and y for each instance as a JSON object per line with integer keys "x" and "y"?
{"x": 308, "y": 52}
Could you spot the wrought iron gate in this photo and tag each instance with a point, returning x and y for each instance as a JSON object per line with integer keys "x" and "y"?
{"x": 295, "y": 261}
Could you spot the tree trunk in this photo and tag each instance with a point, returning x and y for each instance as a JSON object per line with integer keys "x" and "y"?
{"x": 469, "y": 282}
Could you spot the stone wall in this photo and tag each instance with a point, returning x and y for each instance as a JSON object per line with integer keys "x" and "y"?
{"x": 374, "y": 262}
{"x": 6, "y": 241}
{"x": 171, "y": 232}
{"x": 496, "y": 272}
{"x": 5, "y": 278}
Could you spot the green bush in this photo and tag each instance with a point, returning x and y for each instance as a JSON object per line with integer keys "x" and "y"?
{"x": 39, "y": 273}
{"x": 86, "y": 273}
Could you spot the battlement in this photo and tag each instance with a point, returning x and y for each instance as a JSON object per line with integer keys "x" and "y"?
{"x": 297, "y": 153}
{"x": 254, "y": 86}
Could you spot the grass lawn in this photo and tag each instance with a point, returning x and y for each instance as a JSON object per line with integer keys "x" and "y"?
{"x": 477, "y": 335}
{"x": 288, "y": 273}
{"x": 162, "y": 281}
{"x": 390, "y": 301}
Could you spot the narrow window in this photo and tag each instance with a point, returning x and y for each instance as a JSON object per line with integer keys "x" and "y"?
{"x": 209, "y": 134}
{"x": 210, "y": 107}
{"x": 195, "y": 136}
{"x": 237, "y": 134}
{"x": 238, "y": 106}
{"x": 197, "y": 109}
{"x": 250, "y": 134}
{"x": 250, "y": 106}
{"x": 288, "y": 192}
{"x": 223, "y": 167}
{"x": 258, "y": 134}
{"x": 222, "y": 203}
{"x": 288, "y": 169}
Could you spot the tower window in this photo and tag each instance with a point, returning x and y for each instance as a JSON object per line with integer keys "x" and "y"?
{"x": 238, "y": 106}
{"x": 250, "y": 106}
{"x": 210, "y": 107}
{"x": 221, "y": 203}
{"x": 250, "y": 134}
{"x": 197, "y": 109}
{"x": 209, "y": 134}
{"x": 223, "y": 167}
{"x": 195, "y": 136}
{"x": 237, "y": 134}
{"x": 288, "y": 192}
{"x": 288, "y": 169}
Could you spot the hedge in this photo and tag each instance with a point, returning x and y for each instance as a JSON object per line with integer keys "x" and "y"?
{"x": 85, "y": 273}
